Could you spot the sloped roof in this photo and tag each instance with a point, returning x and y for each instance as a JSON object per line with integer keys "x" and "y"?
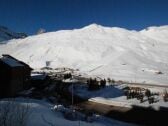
{"x": 12, "y": 62}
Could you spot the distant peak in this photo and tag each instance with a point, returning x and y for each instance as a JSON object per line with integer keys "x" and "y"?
{"x": 3, "y": 27}
{"x": 152, "y": 28}
{"x": 92, "y": 26}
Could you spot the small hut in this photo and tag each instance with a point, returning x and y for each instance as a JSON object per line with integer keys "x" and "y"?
{"x": 14, "y": 76}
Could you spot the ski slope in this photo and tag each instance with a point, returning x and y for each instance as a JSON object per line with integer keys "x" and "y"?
{"x": 121, "y": 54}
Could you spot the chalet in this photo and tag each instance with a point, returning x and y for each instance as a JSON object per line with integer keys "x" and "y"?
{"x": 14, "y": 76}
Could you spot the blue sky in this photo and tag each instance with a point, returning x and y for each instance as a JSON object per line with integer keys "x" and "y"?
{"x": 30, "y": 15}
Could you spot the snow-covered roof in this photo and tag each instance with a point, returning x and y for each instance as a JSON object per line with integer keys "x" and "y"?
{"x": 11, "y": 62}
{"x": 38, "y": 76}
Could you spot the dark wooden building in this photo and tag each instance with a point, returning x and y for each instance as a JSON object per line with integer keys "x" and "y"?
{"x": 14, "y": 76}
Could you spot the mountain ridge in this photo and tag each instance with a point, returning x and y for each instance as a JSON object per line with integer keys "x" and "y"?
{"x": 98, "y": 51}
{"x": 6, "y": 34}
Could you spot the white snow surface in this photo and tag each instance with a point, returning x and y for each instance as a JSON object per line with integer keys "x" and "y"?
{"x": 42, "y": 113}
{"x": 97, "y": 50}
{"x": 114, "y": 95}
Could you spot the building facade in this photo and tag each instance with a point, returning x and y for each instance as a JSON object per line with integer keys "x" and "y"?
{"x": 14, "y": 76}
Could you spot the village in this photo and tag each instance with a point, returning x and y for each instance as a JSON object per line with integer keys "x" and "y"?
{"x": 68, "y": 87}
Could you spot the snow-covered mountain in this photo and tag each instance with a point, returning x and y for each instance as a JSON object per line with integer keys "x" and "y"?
{"x": 6, "y": 34}
{"x": 140, "y": 56}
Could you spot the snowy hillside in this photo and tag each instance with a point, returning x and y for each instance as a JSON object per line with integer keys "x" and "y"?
{"x": 140, "y": 56}
{"x": 6, "y": 34}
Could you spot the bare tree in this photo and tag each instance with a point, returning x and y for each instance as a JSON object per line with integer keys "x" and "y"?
{"x": 13, "y": 113}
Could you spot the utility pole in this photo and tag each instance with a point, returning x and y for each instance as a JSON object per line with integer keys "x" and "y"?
{"x": 72, "y": 94}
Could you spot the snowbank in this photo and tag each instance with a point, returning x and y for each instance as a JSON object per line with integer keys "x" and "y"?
{"x": 43, "y": 114}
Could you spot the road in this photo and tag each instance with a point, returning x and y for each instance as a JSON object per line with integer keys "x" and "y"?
{"x": 146, "y": 85}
